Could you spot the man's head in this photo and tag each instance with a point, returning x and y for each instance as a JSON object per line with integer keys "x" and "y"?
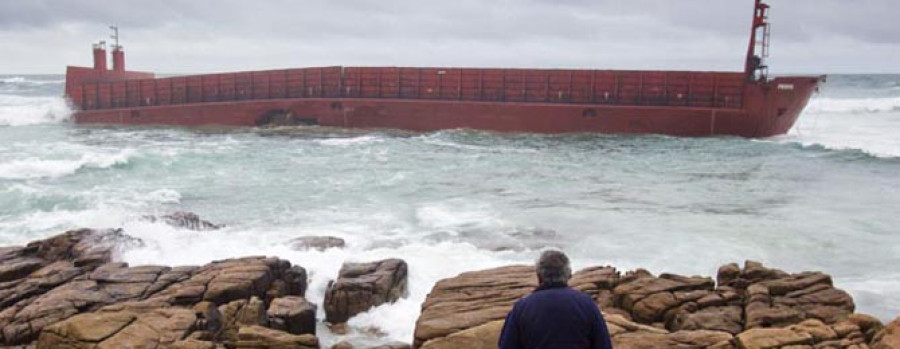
{"x": 553, "y": 267}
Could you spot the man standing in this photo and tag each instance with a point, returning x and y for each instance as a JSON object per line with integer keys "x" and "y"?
{"x": 554, "y": 315}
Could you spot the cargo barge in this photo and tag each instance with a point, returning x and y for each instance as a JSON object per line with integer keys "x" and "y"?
{"x": 681, "y": 103}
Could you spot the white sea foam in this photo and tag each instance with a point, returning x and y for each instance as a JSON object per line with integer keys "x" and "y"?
{"x": 20, "y": 110}
{"x": 449, "y": 215}
{"x": 344, "y": 142}
{"x": 866, "y": 124}
{"x": 42, "y": 224}
{"x": 853, "y": 105}
{"x": 33, "y": 167}
{"x": 20, "y": 80}
{"x": 428, "y": 263}
{"x": 165, "y": 196}
{"x": 13, "y": 80}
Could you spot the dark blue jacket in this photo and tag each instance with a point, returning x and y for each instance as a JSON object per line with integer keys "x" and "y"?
{"x": 553, "y": 317}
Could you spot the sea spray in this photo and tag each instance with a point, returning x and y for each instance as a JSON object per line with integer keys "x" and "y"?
{"x": 18, "y": 110}
{"x": 34, "y": 167}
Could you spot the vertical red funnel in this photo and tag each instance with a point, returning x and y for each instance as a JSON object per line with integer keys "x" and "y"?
{"x": 118, "y": 58}
{"x": 100, "y": 56}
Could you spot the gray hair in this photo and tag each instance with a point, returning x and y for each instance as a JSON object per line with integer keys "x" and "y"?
{"x": 553, "y": 267}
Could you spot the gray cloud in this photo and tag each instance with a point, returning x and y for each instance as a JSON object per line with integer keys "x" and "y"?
{"x": 211, "y": 35}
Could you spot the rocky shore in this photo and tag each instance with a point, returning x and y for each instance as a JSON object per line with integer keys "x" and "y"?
{"x": 69, "y": 291}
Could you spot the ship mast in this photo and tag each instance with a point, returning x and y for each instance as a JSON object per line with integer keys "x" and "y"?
{"x": 115, "y": 36}
{"x": 759, "y": 38}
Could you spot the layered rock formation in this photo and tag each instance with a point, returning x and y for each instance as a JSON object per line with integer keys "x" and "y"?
{"x": 747, "y": 308}
{"x": 68, "y": 292}
{"x": 65, "y": 291}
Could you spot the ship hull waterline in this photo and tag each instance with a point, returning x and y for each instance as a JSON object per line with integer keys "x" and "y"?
{"x": 769, "y": 110}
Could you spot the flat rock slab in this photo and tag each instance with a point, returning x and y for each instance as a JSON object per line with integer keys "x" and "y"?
{"x": 124, "y": 329}
{"x": 258, "y": 337}
{"x": 749, "y": 307}
{"x": 472, "y": 299}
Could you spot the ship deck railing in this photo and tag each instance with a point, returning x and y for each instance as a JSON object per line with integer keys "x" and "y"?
{"x": 597, "y": 87}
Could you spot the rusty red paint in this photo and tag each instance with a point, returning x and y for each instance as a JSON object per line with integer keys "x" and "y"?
{"x": 678, "y": 103}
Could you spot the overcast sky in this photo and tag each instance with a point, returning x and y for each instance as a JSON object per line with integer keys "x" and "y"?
{"x": 192, "y": 36}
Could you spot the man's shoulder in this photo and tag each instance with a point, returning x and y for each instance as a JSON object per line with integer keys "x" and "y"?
{"x": 555, "y": 293}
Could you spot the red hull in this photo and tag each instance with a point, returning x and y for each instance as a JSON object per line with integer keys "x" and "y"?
{"x": 426, "y": 99}
{"x": 768, "y": 110}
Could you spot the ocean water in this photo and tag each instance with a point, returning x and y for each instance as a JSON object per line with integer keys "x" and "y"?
{"x": 824, "y": 197}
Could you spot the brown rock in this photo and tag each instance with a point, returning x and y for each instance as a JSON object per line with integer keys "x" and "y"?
{"x": 472, "y": 299}
{"x": 766, "y": 338}
{"x": 778, "y": 299}
{"x": 595, "y": 280}
{"x": 682, "y": 339}
{"x": 209, "y": 318}
{"x": 484, "y": 336}
{"x": 17, "y": 268}
{"x": 84, "y": 247}
{"x": 618, "y": 324}
{"x": 320, "y": 243}
{"x": 87, "y": 328}
{"x": 889, "y": 337}
{"x": 127, "y": 329}
{"x": 258, "y": 337}
{"x": 191, "y": 343}
{"x": 781, "y": 310}
{"x": 648, "y": 299}
{"x": 727, "y": 274}
{"x": 868, "y": 325}
{"x": 241, "y": 313}
{"x": 292, "y": 314}
{"x": 158, "y": 328}
{"x": 817, "y": 329}
{"x": 224, "y": 281}
{"x": 725, "y": 319}
{"x": 115, "y": 287}
{"x": 51, "y": 280}
{"x": 361, "y": 286}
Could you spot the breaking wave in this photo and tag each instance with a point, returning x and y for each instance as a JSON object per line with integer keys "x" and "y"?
{"x": 31, "y": 168}
{"x": 854, "y": 105}
{"x": 20, "y": 110}
{"x": 23, "y": 80}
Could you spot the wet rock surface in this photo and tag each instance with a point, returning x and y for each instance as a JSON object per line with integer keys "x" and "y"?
{"x": 66, "y": 291}
{"x": 319, "y": 243}
{"x": 185, "y": 220}
{"x": 361, "y": 286}
{"x": 745, "y": 307}
{"x": 293, "y": 314}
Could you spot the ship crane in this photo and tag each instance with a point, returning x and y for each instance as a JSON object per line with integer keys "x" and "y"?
{"x": 755, "y": 67}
